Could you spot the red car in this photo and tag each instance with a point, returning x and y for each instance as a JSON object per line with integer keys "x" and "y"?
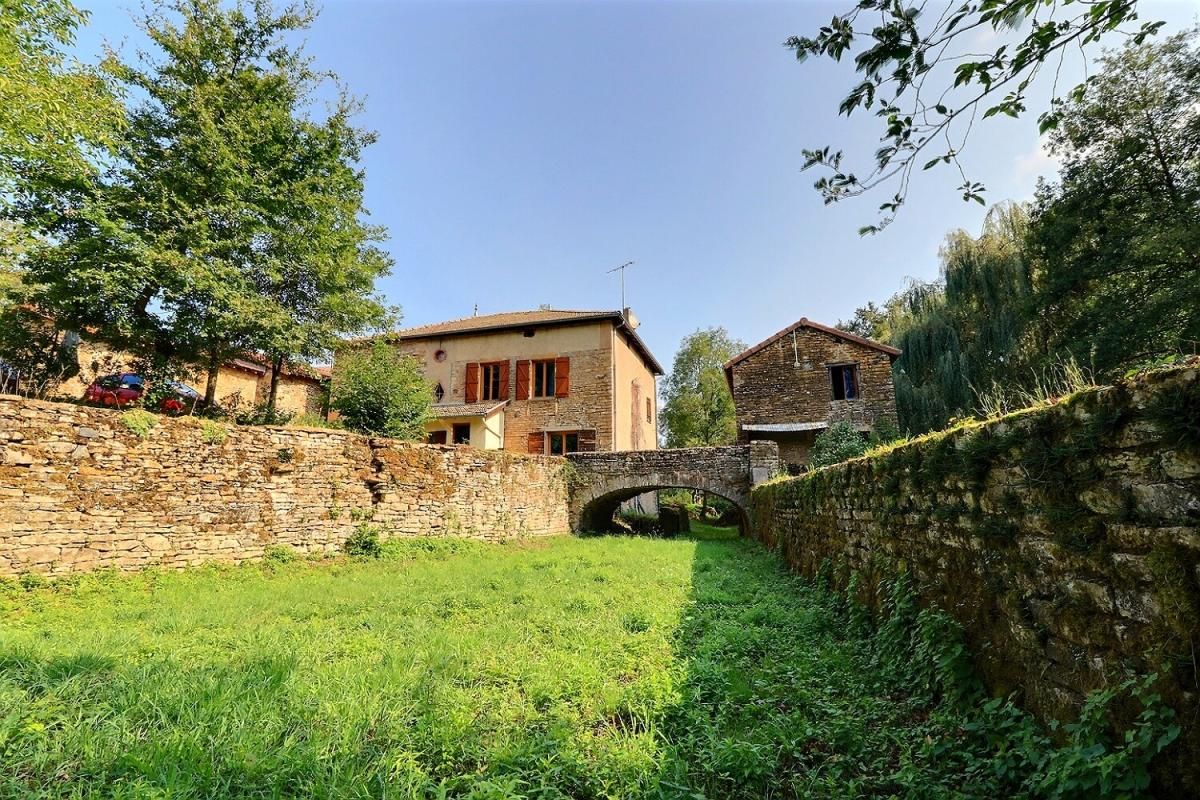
{"x": 126, "y": 389}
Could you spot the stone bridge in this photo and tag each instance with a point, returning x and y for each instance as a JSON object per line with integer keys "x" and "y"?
{"x": 604, "y": 480}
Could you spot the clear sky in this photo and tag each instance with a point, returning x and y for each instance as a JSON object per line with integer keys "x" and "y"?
{"x": 527, "y": 147}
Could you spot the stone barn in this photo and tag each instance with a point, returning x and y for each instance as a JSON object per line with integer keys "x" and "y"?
{"x": 792, "y": 386}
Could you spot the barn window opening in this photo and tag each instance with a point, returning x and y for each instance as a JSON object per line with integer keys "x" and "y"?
{"x": 438, "y": 393}
{"x": 649, "y": 411}
{"x": 844, "y": 380}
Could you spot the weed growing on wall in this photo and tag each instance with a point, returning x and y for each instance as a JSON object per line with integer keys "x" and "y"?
{"x": 364, "y": 542}
{"x": 213, "y": 432}
{"x": 139, "y": 422}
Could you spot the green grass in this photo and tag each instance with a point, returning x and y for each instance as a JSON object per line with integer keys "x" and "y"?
{"x": 603, "y": 667}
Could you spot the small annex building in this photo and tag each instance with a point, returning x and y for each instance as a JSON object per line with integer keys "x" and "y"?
{"x": 793, "y": 385}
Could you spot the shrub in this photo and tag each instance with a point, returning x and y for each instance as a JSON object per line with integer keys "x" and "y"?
{"x": 139, "y": 422}
{"x": 279, "y": 554}
{"x": 259, "y": 414}
{"x": 363, "y": 542}
{"x": 837, "y": 443}
{"x": 314, "y": 421}
{"x": 381, "y": 391}
{"x": 213, "y": 432}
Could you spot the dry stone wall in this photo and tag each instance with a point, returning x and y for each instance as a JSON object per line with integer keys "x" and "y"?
{"x": 1065, "y": 540}
{"x": 79, "y": 490}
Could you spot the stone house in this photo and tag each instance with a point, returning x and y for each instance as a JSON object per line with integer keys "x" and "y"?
{"x": 241, "y": 382}
{"x": 544, "y": 381}
{"x": 791, "y": 386}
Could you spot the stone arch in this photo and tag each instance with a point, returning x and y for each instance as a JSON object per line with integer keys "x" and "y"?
{"x": 602, "y": 481}
{"x": 596, "y": 514}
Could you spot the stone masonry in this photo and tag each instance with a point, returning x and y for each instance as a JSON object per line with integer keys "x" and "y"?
{"x": 1065, "y": 540}
{"x": 79, "y": 490}
{"x": 602, "y": 481}
{"x": 781, "y": 383}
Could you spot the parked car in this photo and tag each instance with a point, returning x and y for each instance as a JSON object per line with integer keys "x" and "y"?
{"x": 126, "y": 389}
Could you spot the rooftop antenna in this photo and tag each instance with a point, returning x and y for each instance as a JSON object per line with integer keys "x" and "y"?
{"x": 621, "y": 269}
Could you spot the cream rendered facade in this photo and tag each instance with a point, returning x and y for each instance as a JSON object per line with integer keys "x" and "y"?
{"x": 604, "y": 401}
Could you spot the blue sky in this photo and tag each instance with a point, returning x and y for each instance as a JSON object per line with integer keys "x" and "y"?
{"x": 526, "y": 148}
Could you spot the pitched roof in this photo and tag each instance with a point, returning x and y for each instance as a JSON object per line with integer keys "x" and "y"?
{"x": 816, "y": 326}
{"x": 505, "y": 319}
{"x": 508, "y": 320}
{"x": 451, "y": 410}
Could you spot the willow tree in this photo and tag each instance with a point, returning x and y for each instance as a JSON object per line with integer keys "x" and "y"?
{"x": 964, "y": 333}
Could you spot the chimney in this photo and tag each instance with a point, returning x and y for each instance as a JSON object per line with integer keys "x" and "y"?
{"x": 631, "y": 321}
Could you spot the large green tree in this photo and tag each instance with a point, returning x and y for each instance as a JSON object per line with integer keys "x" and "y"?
{"x": 1116, "y": 239}
{"x": 924, "y": 74}
{"x": 697, "y": 407}
{"x": 321, "y": 264}
{"x": 229, "y": 220}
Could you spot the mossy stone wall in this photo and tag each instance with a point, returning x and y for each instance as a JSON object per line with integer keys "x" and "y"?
{"x": 1065, "y": 540}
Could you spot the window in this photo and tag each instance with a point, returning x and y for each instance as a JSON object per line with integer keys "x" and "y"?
{"x": 844, "y": 381}
{"x": 491, "y": 386}
{"x": 649, "y": 411}
{"x": 462, "y": 433}
{"x": 543, "y": 378}
{"x": 437, "y": 437}
{"x": 438, "y": 393}
{"x": 562, "y": 442}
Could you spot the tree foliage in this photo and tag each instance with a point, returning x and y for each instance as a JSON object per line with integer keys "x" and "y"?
{"x": 229, "y": 219}
{"x": 963, "y": 332}
{"x": 54, "y": 111}
{"x": 697, "y": 406}
{"x": 1100, "y": 275}
{"x": 379, "y": 390}
{"x": 1116, "y": 240}
{"x": 921, "y": 73}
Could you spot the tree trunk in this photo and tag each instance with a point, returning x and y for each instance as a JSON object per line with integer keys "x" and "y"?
{"x": 703, "y": 506}
{"x": 210, "y": 388}
{"x": 276, "y": 367}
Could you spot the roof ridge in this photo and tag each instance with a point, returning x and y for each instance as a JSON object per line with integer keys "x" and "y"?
{"x": 805, "y": 322}
{"x": 470, "y": 317}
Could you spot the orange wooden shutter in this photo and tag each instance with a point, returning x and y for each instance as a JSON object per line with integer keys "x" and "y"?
{"x": 537, "y": 443}
{"x": 562, "y": 377}
{"x": 523, "y": 380}
{"x": 472, "y": 385}
{"x": 503, "y": 381}
{"x": 587, "y": 441}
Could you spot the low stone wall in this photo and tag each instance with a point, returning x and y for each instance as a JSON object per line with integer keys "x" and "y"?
{"x": 79, "y": 490}
{"x": 1065, "y": 540}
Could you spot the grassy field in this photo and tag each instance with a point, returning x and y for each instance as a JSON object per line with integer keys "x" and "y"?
{"x": 569, "y": 667}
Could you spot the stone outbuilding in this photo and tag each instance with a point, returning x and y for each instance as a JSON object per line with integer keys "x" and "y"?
{"x": 791, "y": 386}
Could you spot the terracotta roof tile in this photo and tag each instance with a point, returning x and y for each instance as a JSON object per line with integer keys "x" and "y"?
{"x": 465, "y": 409}
{"x": 506, "y": 319}
{"x": 521, "y": 319}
